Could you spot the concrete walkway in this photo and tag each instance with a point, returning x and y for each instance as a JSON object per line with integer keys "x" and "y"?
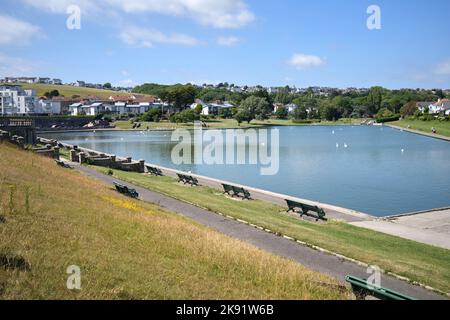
{"x": 313, "y": 259}
{"x": 428, "y": 227}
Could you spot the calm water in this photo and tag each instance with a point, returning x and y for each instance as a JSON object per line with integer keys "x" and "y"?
{"x": 371, "y": 175}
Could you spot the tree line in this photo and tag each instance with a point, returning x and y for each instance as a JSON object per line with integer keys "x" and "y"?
{"x": 376, "y": 102}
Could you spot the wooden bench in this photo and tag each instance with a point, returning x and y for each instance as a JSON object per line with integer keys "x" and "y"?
{"x": 187, "y": 179}
{"x": 305, "y": 209}
{"x": 362, "y": 289}
{"x": 154, "y": 171}
{"x": 126, "y": 191}
{"x": 63, "y": 164}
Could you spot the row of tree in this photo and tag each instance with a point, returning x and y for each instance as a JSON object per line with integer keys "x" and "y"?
{"x": 377, "y": 101}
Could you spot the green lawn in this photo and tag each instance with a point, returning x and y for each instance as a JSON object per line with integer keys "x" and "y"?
{"x": 229, "y": 124}
{"x": 52, "y": 218}
{"x": 442, "y": 127}
{"x": 420, "y": 262}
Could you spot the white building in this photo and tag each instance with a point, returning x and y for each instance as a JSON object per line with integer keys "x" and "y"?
{"x": 211, "y": 108}
{"x": 442, "y": 106}
{"x": 15, "y": 100}
{"x": 76, "y": 109}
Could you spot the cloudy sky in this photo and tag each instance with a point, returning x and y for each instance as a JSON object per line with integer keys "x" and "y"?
{"x": 294, "y": 42}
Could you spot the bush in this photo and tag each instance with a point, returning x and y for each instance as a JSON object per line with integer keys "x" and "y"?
{"x": 299, "y": 121}
{"x": 185, "y": 116}
{"x": 151, "y": 115}
{"x": 388, "y": 119}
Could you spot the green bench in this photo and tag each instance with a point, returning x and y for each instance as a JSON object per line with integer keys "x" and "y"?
{"x": 362, "y": 289}
{"x": 236, "y": 191}
{"x": 187, "y": 179}
{"x": 305, "y": 209}
{"x": 126, "y": 191}
{"x": 154, "y": 171}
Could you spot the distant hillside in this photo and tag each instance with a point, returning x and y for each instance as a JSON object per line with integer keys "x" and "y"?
{"x": 69, "y": 91}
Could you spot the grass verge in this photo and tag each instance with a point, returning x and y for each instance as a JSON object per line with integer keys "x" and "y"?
{"x": 442, "y": 127}
{"x": 420, "y": 262}
{"x": 126, "y": 249}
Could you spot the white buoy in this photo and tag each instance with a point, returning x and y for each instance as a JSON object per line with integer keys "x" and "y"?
{"x": 337, "y": 145}
{"x": 332, "y": 132}
{"x": 345, "y": 145}
{"x": 403, "y": 150}
{"x": 121, "y": 139}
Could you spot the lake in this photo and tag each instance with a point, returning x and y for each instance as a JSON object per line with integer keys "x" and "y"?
{"x": 381, "y": 171}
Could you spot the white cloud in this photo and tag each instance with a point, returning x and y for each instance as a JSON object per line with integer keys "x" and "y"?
{"x": 218, "y": 14}
{"x": 302, "y": 61}
{"x": 228, "y": 41}
{"x": 16, "y": 32}
{"x": 14, "y": 66}
{"x": 147, "y": 38}
{"x": 443, "y": 69}
{"x": 60, "y": 6}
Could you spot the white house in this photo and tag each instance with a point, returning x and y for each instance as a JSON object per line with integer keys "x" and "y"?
{"x": 291, "y": 107}
{"x": 76, "y": 109}
{"x": 211, "y": 108}
{"x": 441, "y": 106}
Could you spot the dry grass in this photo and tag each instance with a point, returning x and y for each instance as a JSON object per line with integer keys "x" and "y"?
{"x": 126, "y": 249}
{"x": 417, "y": 261}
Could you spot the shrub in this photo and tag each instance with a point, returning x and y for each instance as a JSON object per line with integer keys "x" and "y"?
{"x": 151, "y": 115}
{"x": 388, "y": 119}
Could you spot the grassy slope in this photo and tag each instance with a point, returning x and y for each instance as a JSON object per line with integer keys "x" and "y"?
{"x": 126, "y": 248}
{"x": 442, "y": 127}
{"x": 69, "y": 91}
{"x": 424, "y": 263}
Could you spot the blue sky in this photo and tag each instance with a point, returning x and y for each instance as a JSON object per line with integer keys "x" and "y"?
{"x": 272, "y": 43}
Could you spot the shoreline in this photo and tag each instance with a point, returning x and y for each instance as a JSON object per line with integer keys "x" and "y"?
{"x": 256, "y": 126}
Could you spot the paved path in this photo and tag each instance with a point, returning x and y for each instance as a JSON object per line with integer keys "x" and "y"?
{"x": 428, "y": 227}
{"x": 304, "y": 255}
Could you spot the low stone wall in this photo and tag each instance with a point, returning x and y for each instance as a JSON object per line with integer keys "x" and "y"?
{"x": 84, "y": 155}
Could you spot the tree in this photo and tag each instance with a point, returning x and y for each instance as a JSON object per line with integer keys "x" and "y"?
{"x": 243, "y": 115}
{"x": 152, "y": 115}
{"x": 51, "y": 94}
{"x": 181, "y": 95}
{"x": 185, "y": 116}
{"x": 107, "y": 85}
{"x": 198, "y": 109}
{"x": 384, "y": 113}
{"x": 329, "y": 111}
{"x": 374, "y": 99}
{"x": 281, "y": 112}
{"x": 256, "y": 107}
{"x": 300, "y": 113}
{"x": 408, "y": 109}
